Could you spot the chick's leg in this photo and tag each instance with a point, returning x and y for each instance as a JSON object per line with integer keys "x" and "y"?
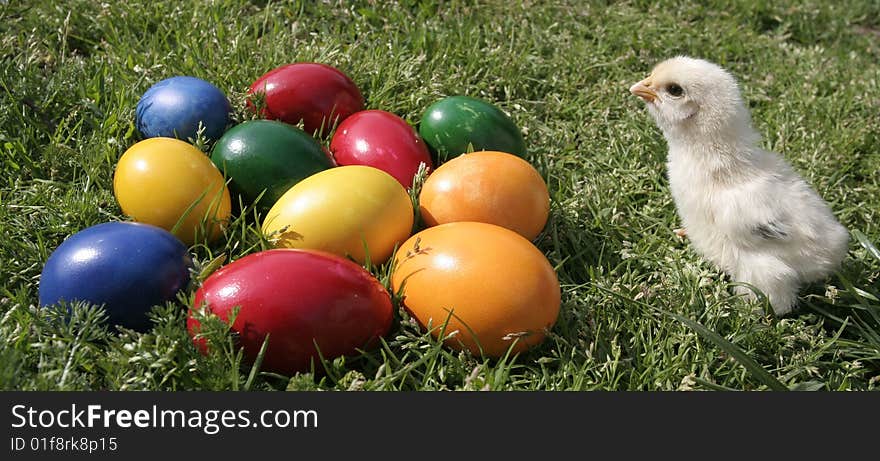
{"x": 776, "y": 279}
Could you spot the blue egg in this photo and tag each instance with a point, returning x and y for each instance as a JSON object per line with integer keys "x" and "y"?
{"x": 174, "y": 107}
{"x": 126, "y": 267}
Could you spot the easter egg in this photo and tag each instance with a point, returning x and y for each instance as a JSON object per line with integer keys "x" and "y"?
{"x": 317, "y": 94}
{"x": 125, "y": 267}
{"x": 175, "y": 107}
{"x": 305, "y": 301}
{"x": 490, "y": 187}
{"x": 354, "y": 210}
{"x": 171, "y": 184}
{"x": 382, "y": 140}
{"x": 453, "y": 124}
{"x": 494, "y": 287}
{"x": 267, "y": 157}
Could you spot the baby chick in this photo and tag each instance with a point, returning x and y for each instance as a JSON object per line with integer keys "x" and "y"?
{"x": 744, "y": 208}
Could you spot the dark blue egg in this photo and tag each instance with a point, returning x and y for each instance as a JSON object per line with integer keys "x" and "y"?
{"x": 174, "y": 107}
{"x": 126, "y": 267}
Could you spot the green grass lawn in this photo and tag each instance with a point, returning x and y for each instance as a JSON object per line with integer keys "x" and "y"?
{"x": 640, "y": 309}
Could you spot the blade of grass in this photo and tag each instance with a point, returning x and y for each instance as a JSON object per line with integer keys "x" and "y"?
{"x": 757, "y": 371}
{"x": 866, "y": 244}
{"x": 255, "y": 368}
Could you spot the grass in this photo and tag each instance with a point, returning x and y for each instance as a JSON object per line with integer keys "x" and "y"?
{"x": 641, "y": 310}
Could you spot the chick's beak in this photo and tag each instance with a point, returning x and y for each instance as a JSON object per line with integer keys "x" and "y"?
{"x": 644, "y": 91}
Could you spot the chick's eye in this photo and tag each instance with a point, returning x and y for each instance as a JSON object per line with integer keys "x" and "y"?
{"x": 674, "y": 90}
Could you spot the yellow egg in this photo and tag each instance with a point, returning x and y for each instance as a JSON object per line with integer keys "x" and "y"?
{"x": 349, "y": 210}
{"x": 171, "y": 184}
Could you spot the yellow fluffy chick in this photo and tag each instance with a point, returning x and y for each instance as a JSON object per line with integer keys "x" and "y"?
{"x": 744, "y": 209}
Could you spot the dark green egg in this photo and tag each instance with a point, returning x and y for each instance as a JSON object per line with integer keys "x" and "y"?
{"x": 451, "y": 125}
{"x": 265, "y": 155}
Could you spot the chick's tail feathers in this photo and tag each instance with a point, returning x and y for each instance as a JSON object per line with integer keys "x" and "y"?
{"x": 772, "y": 276}
{"x": 834, "y": 246}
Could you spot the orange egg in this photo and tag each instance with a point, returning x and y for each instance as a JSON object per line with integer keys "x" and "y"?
{"x": 497, "y": 290}
{"x": 490, "y": 187}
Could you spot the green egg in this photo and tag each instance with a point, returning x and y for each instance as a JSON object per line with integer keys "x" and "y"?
{"x": 270, "y": 156}
{"x": 456, "y": 124}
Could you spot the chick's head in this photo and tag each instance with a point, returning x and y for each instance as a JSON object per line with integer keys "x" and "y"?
{"x": 688, "y": 96}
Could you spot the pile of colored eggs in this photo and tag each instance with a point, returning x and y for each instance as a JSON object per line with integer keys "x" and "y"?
{"x": 470, "y": 273}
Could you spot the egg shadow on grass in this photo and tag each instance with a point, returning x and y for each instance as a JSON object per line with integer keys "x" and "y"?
{"x": 336, "y": 369}
{"x": 565, "y": 231}
{"x": 244, "y": 212}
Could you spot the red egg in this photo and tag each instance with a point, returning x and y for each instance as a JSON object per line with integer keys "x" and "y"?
{"x": 381, "y": 140}
{"x": 317, "y": 94}
{"x": 301, "y": 299}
